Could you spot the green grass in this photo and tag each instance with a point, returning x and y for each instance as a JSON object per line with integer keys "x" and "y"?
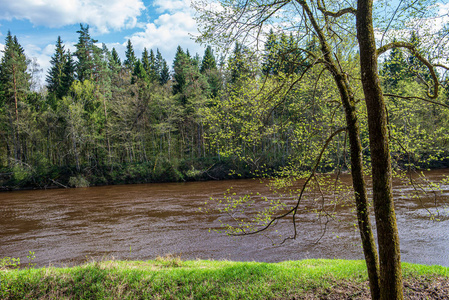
{"x": 171, "y": 278}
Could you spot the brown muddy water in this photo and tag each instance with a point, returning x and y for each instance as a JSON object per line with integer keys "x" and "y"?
{"x": 139, "y": 222}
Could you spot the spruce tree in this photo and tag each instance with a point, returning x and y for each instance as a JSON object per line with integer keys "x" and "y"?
{"x": 165, "y": 73}
{"x": 153, "y": 71}
{"x": 209, "y": 69}
{"x": 68, "y": 73}
{"x": 145, "y": 60}
{"x": 85, "y": 51}
{"x": 115, "y": 58}
{"x": 13, "y": 76}
{"x": 295, "y": 62}
{"x": 15, "y": 82}
{"x": 239, "y": 63}
{"x": 162, "y": 70}
{"x": 56, "y": 72}
{"x": 270, "y": 64}
{"x": 394, "y": 69}
{"x": 148, "y": 64}
{"x": 139, "y": 73}
{"x": 415, "y": 66}
{"x": 179, "y": 64}
{"x": 131, "y": 58}
{"x": 208, "y": 63}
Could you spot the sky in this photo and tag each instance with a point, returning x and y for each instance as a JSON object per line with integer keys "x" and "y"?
{"x": 154, "y": 24}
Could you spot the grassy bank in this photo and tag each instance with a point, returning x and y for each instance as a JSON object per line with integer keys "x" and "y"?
{"x": 171, "y": 278}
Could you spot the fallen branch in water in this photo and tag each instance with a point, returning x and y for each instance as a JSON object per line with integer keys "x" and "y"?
{"x": 57, "y": 183}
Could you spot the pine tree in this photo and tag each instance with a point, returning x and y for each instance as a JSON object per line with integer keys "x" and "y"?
{"x": 85, "y": 51}
{"x": 394, "y": 69}
{"x": 153, "y": 71}
{"x": 415, "y": 66}
{"x": 139, "y": 73}
{"x": 162, "y": 70}
{"x": 15, "y": 82}
{"x": 295, "y": 60}
{"x": 209, "y": 69}
{"x": 179, "y": 64}
{"x": 115, "y": 58}
{"x": 145, "y": 60}
{"x": 56, "y": 72}
{"x": 270, "y": 64}
{"x": 13, "y": 75}
{"x": 148, "y": 64}
{"x": 208, "y": 63}
{"x": 69, "y": 73}
{"x": 131, "y": 59}
{"x": 239, "y": 63}
{"x": 165, "y": 73}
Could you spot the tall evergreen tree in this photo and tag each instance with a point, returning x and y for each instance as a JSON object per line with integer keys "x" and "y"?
{"x": 85, "y": 51}
{"x": 416, "y": 67}
{"x": 270, "y": 62}
{"x": 131, "y": 58}
{"x": 209, "y": 69}
{"x": 394, "y": 69}
{"x": 56, "y": 72}
{"x": 162, "y": 70}
{"x": 115, "y": 58}
{"x": 146, "y": 60}
{"x": 153, "y": 71}
{"x": 239, "y": 63}
{"x": 13, "y": 75}
{"x": 208, "y": 63}
{"x": 15, "y": 82}
{"x": 179, "y": 64}
{"x": 164, "y": 75}
{"x": 148, "y": 64}
{"x": 139, "y": 73}
{"x": 69, "y": 73}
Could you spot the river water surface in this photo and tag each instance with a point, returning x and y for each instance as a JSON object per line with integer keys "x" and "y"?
{"x": 139, "y": 222}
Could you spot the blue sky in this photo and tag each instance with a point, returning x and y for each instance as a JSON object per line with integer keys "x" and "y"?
{"x": 162, "y": 24}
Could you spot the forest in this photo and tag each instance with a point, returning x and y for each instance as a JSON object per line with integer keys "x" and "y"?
{"x": 243, "y": 113}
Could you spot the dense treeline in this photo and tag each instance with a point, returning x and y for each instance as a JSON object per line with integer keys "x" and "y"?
{"x": 103, "y": 121}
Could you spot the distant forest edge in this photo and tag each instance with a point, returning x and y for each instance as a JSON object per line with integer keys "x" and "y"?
{"x": 103, "y": 121}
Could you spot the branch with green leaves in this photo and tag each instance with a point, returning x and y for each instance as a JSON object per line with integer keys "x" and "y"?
{"x": 294, "y": 210}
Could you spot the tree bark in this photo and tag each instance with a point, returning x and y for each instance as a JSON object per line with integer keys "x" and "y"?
{"x": 358, "y": 181}
{"x": 387, "y": 231}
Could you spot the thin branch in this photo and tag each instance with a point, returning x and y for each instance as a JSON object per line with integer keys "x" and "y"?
{"x": 389, "y": 23}
{"x": 417, "y": 98}
{"x": 295, "y": 208}
{"x": 415, "y": 52}
{"x": 348, "y": 10}
{"x": 442, "y": 66}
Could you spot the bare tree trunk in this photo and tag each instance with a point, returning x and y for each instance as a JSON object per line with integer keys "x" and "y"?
{"x": 387, "y": 231}
{"x": 108, "y": 145}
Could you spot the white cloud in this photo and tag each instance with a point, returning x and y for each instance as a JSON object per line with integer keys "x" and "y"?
{"x": 171, "y": 5}
{"x": 169, "y": 30}
{"x": 101, "y": 14}
{"x": 42, "y": 57}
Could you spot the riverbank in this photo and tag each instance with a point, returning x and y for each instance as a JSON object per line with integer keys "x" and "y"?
{"x": 171, "y": 278}
{"x": 159, "y": 171}
{"x": 26, "y": 177}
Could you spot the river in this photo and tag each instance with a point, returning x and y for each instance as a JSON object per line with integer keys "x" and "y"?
{"x": 139, "y": 222}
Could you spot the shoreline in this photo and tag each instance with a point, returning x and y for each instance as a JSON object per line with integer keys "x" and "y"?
{"x": 140, "y": 180}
